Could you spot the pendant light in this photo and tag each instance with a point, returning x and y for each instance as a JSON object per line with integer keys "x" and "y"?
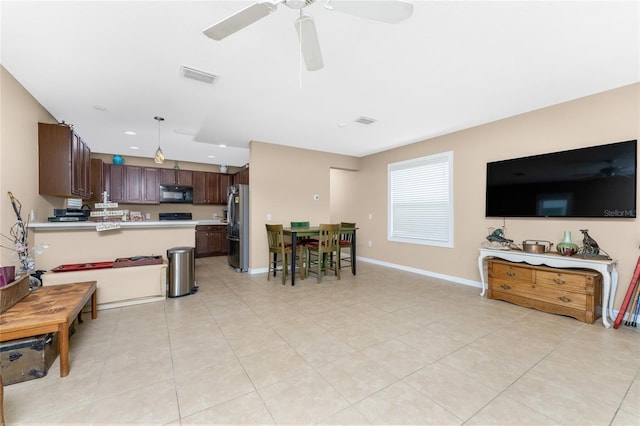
{"x": 159, "y": 155}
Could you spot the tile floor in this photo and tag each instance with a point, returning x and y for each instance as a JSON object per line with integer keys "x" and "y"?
{"x": 385, "y": 347}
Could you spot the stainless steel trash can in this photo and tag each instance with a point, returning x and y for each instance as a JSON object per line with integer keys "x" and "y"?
{"x": 181, "y": 271}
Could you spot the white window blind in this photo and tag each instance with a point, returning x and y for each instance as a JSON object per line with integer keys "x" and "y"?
{"x": 421, "y": 200}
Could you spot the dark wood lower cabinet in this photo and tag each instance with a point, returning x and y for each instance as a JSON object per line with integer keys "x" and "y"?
{"x": 211, "y": 240}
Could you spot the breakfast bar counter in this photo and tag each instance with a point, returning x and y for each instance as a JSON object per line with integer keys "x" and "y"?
{"x": 57, "y": 243}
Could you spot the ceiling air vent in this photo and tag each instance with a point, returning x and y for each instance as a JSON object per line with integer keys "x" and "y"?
{"x": 365, "y": 120}
{"x": 199, "y": 75}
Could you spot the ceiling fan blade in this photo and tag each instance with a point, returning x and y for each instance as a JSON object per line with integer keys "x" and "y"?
{"x": 389, "y": 11}
{"x": 309, "y": 42}
{"x": 239, "y": 20}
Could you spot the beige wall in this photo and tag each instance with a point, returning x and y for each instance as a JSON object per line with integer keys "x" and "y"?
{"x": 19, "y": 115}
{"x": 283, "y": 181}
{"x": 608, "y": 117}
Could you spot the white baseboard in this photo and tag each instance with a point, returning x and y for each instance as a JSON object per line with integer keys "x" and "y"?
{"x": 458, "y": 280}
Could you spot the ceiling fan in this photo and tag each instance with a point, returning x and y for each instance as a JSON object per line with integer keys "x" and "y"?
{"x": 389, "y": 11}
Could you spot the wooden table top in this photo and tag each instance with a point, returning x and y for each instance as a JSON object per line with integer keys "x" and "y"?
{"x": 48, "y": 305}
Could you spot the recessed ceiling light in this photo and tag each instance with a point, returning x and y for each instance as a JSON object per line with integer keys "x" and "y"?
{"x": 133, "y": 147}
{"x": 129, "y": 132}
{"x": 342, "y": 124}
{"x": 211, "y": 156}
{"x": 222, "y": 145}
{"x": 99, "y": 107}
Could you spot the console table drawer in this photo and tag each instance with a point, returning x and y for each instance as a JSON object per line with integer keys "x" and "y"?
{"x": 573, "y": 292}
{"x": 580, "y": 282}
{"x": 511, "y": 271}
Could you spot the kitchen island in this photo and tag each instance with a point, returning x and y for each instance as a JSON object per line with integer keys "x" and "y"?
{"x": 80, "y": 243}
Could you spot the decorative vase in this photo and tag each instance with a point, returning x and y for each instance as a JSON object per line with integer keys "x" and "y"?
{"x": 567, "y": 247}
{"x": 223, "y": 169}
{"x": 117, "y": 159}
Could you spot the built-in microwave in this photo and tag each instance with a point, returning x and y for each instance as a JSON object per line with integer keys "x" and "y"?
{"x": 176, "y": 194}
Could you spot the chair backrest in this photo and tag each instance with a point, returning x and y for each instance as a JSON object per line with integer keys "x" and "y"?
{"x": 275, "y": 236}
{"x": 329, "y": 237}
{"x": 346, "y": 236}
{"x": 299, "y": 224}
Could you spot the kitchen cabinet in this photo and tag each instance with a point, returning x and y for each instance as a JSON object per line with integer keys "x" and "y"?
{"x": 224, "y": 182}
{"x": 114, "y": 182}
{"x": 241, "y": 177}
{"x": 206, "y": 188}
{"x": 64, "y": 162}
{"x": 97, "y": 180}
{"x": 211, "y": 240}
{"x": 572, "y": 292}
{"x": 176, "y": 177}
{"x": 132, "y": 184}
{"x": 142, "y": 185}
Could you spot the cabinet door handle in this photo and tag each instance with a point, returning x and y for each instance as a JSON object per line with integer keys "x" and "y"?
{"x": 559, "y": 281}
{"x": 565, "y": 299}
{"x": 511, "y": 273}
{"x": 505, "y": 287}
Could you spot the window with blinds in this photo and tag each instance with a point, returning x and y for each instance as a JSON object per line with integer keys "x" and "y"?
{"x": 421, "y": 200}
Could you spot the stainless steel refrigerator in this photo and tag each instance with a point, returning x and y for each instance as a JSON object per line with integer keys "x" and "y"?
{"x": 238, "y": 227}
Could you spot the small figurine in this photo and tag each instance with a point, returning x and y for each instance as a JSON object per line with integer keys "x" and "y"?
{"x": 590, "y": 247}
{"x": 498, "y": 236}
{"x": 497, "y": 241}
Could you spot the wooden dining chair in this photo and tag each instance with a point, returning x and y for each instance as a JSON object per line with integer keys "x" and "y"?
{"x": 346, "y": 243}
{"x": 320, "y": 250}
{"x": 280, "y": 253}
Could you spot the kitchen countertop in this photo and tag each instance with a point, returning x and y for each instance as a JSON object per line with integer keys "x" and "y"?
{"x": 211, "y": 222}
{"x": 91, "y": 225}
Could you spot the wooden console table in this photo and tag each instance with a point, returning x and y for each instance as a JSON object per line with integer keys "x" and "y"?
{"x": 606, "y": 267}
{"x": 47, "y": 310}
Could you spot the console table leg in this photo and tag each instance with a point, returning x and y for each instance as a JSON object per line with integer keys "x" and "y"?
{"x": 481, "y": 269}
{"x": 63, "y": 346}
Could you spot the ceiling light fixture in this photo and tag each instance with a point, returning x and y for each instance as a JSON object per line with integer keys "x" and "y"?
{"x": 199, "y": 75}
{"x": 222, "y": 145}
{"x": 129, "y": 133}
{"x": 365, "y": 120}
{"x": 159, "y": 155}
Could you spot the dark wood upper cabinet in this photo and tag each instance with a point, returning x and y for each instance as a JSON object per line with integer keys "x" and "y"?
{"x": 224, "y": 182}
{"x": 97, "y": 180}
{"x": 114, "y": 182}
{"x": 176, "y": 177}
{"x": 64, "y": 162}
{"x": 142, "y": 185}
{"x": 132, "y": 184}
{"x": 241, "y": 177}
{"x": 206, "y": 188}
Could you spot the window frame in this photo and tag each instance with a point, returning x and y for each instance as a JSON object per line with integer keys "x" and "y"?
{"x": 446, "y": 232}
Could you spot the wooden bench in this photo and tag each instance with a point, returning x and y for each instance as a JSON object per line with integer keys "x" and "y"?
{"x": 47, "y": 310}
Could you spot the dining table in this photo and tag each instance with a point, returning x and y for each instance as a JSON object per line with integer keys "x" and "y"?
{"x": 314, "y": 231}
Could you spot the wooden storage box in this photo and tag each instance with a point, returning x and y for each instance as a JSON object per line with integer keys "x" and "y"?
{"x": 27, "y": 359}
{"x": 122, "y": 262}
{"x": 573, "y": 292}
{"x": 14, "y": 292}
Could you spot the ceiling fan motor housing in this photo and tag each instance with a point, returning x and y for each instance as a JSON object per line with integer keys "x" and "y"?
{"x": 298, "y": 4}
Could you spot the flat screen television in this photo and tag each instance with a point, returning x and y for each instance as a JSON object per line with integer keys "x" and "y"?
{"x": 593, "y": 182}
